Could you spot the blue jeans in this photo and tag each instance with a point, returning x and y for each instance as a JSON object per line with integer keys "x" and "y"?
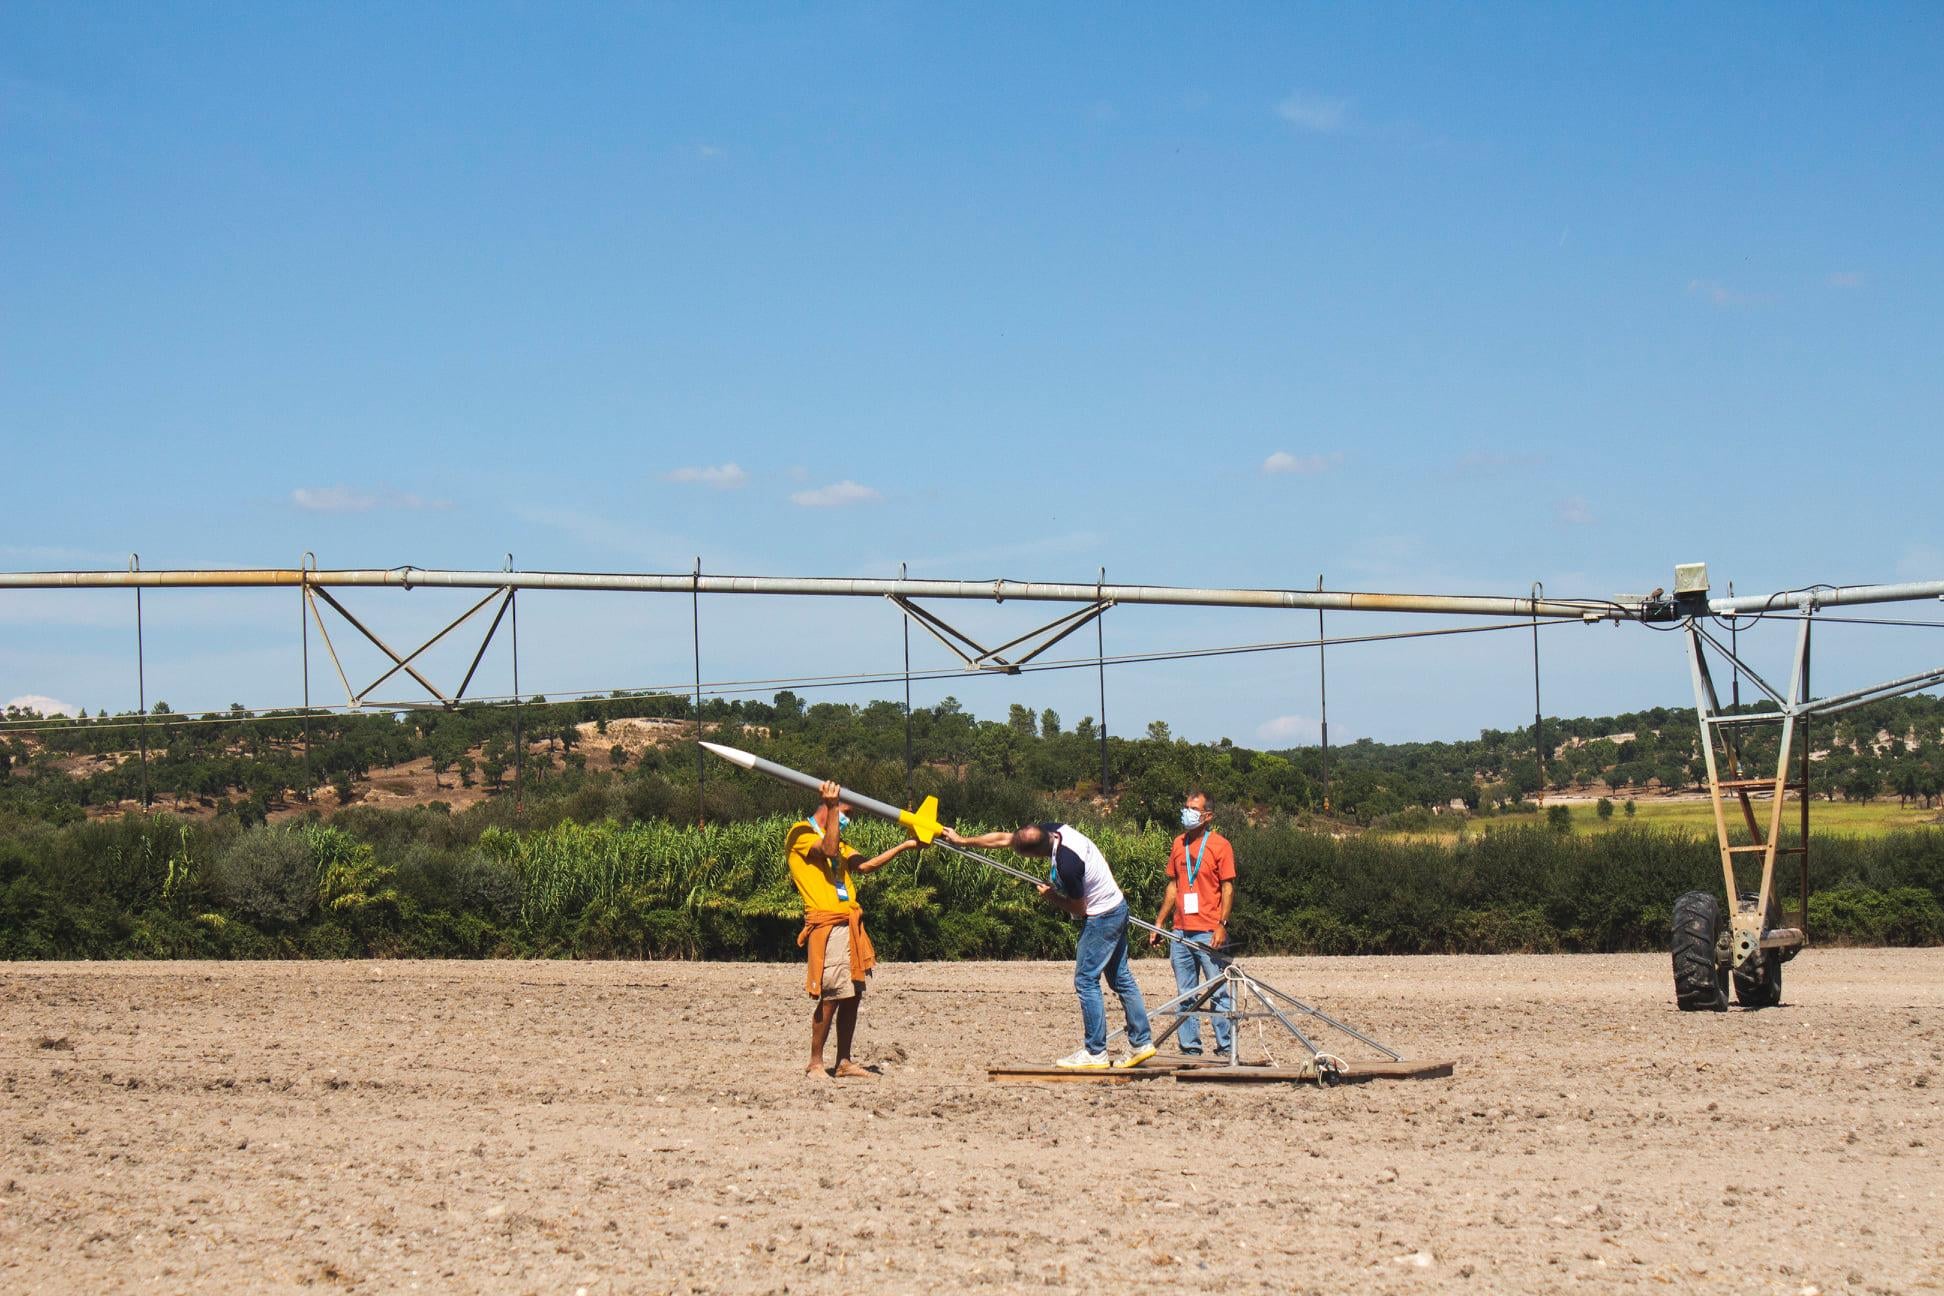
{"x": 1103, "y": 952}
{"x": 1191, "y": 969}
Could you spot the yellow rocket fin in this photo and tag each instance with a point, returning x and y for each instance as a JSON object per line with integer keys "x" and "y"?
{"x": 923, "y": 821}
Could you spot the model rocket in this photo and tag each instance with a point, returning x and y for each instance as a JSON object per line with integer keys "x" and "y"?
{"x": 922, "y": 822}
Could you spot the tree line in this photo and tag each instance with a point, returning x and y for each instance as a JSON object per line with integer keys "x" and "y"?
{"x": 250, "y": 766}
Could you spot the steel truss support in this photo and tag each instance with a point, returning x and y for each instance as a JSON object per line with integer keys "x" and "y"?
{"x": 978, "y": 657}
{"x": 1792, "y": 709}
{"x": 1271, "y": 1005}
{"x": 1749, "y": 923}
{"x": 358, "y": 698}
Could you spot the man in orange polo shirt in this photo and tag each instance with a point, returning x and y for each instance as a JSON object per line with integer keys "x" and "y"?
{"x": 1201, "y": 891}
{"x": 825, "y": 869}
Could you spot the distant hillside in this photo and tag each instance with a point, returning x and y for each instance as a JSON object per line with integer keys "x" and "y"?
{"x": 627, "y": 755}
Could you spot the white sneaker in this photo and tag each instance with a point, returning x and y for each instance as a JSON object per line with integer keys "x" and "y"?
{"x": 1083, "y": 1061}
{"x": 1136, "y": 1057}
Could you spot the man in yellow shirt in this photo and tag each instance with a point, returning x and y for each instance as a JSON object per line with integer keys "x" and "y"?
{"x": 824, "y": 870}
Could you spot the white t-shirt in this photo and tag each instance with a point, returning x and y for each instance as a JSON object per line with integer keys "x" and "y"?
{"x": 1080, "y": 870}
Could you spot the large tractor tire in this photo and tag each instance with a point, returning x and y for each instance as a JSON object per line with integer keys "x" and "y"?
{"x": 1758, "y": 982}
{"x": 1700, "y": 979}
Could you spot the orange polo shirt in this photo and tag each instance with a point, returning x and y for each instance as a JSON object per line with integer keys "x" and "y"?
{"x": 1212, "y": 860}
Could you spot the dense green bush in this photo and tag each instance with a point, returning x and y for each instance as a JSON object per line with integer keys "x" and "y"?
{"x": 428, "y": 883}
{"x": 1855, "y": 914}
{"x": 265, "y": 876}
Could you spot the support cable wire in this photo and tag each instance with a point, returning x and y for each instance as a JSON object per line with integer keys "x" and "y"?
{"x": 141, "y": 681}
{"x": 695, "y": 630}
{"x": 1323, "y": 696}
{"x": 1538, "y": 716}
{"x": 519, "y": 706}
{"x": 730, "y": 688}
{"x": 904, "y": 624}
{"x": 1100, "y": 664}
{"x": 303, "y": 624}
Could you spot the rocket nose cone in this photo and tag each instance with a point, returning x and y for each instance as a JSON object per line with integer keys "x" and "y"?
{"x": 730, "y": 754}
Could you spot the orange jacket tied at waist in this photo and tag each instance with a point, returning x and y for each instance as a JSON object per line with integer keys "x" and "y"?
{"x": 818, "y": 923}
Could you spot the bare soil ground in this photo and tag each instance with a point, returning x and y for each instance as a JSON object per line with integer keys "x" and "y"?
{"x": 648, "y": 1127}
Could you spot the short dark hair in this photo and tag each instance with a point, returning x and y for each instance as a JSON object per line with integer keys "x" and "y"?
{"x": 1032, "y": 839}
{"x": 1194, "y": 792}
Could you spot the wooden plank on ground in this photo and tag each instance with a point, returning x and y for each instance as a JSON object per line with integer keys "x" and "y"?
{"x": 1203, "y": 1064}
{"x": 1352, "y": 1073}
{"x": 1055, "y": 1075}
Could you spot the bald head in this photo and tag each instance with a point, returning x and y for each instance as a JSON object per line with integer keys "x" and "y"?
{"x": 1031, "y": 839}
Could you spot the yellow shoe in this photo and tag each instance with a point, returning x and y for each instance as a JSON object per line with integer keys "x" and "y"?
{"x": 1137, "y": 1057}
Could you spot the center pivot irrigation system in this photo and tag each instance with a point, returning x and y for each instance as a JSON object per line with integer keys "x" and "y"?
{"x": 1741, "y": 935}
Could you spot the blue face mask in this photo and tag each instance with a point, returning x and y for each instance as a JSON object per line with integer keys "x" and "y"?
{"x": 1191, "y": 818}
{"x": 843, "y": 820}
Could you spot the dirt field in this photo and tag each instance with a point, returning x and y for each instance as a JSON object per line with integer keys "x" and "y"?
{"x": 647, "y": 1127}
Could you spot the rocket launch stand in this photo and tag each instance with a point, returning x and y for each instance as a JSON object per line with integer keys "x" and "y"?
{"x": 1248, "y": 998}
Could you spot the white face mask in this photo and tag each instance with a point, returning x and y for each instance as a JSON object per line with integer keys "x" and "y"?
{"x": 1191, "y": 817}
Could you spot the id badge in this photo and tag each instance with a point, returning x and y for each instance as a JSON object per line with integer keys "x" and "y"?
{"x": 1190, "y": 902}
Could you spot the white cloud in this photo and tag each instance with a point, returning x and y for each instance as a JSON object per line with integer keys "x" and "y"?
{"x": 351, "y": 499}
{"x": 44, "y": 705}
{"x": 836, "y": 495}
{"x": 722, "y": 476}
{"x": 1720, "y": 294}
{"x": 1289, "y": 731}
{"x": 1316, "y": 113}
{"x": 1845, "y": 279}
{"x": 1306, "y": 465}
{"x": 1573, "y": 511}
{"x": 710, "y": 152}
{"x": 333, "y": 499}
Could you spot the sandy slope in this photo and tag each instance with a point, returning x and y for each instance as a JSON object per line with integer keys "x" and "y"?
{"x": 647, "y": 1127}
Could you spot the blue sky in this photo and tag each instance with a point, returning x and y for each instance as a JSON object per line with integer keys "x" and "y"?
{"x": 1452, "y": 299}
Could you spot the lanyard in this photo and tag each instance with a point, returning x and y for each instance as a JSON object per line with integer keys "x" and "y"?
{"x": 1194, "y": 869}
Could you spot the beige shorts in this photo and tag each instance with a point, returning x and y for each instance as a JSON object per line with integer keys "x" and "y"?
{"x": 837, "y": 983}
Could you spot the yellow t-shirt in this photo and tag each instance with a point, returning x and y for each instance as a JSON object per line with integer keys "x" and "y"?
{"x": 817, "y": 880}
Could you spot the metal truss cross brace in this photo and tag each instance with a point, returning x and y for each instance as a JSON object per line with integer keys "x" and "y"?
{"x": 358, "y": 698}
{"x": 1805, "y": 707}
{"x": 983, "y": 658}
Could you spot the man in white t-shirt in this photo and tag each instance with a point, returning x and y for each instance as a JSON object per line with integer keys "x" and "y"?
{"x": 1081, "y": 883}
